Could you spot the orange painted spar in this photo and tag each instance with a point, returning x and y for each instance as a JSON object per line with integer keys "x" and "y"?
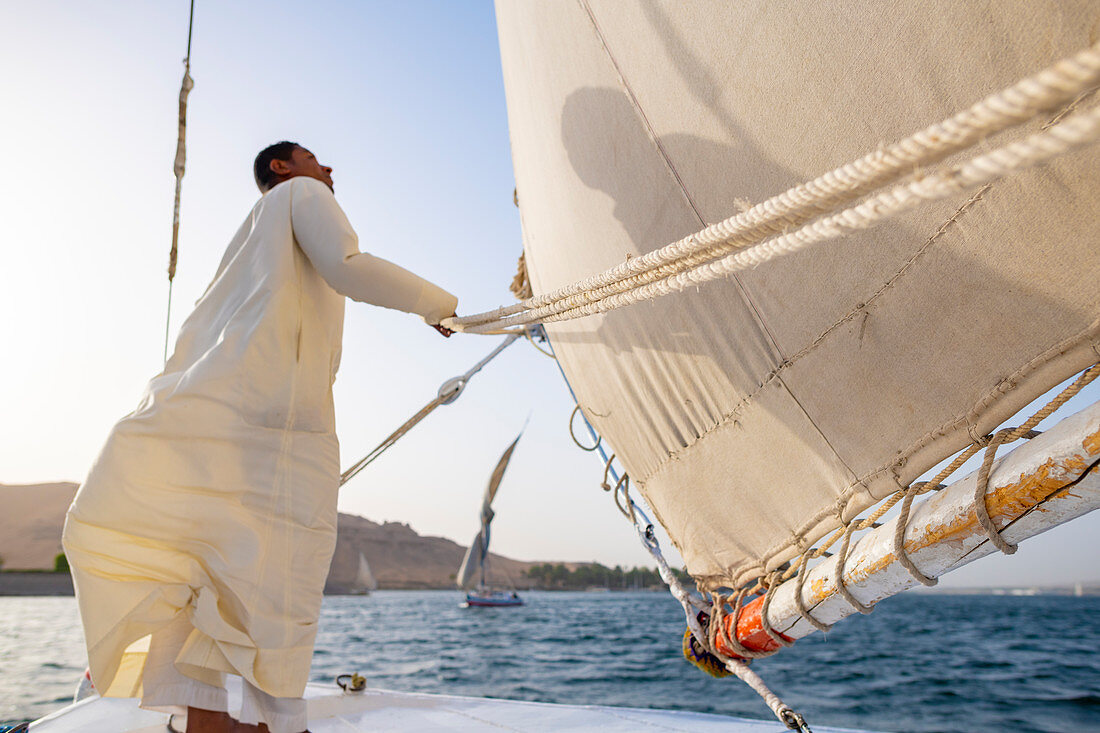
{"x": 750, "y": 630}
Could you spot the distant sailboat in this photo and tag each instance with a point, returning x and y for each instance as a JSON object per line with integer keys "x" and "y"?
{"x": 477, "y": 557}
{"x": 364, "y": 579}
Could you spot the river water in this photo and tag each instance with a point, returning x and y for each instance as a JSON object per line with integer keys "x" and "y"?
{"x": 918, "y": 663}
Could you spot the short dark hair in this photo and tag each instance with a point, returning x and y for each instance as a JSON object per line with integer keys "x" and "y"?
{"x": 261, "y": 167}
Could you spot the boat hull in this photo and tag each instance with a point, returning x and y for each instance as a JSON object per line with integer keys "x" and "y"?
{"x": 492, "y": 600}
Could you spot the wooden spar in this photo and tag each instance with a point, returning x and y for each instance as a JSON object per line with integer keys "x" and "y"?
{"x": 1042, "y": 483}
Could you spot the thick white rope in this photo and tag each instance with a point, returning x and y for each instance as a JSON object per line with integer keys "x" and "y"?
{"x": 1052, "y": 87}
{"x": 1071, "y": 133}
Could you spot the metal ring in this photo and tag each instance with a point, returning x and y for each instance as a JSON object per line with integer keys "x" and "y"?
{"x": 573, "y": 435}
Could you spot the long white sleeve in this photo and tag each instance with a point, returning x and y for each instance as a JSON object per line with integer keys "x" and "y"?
{"x": 325, "y": 235}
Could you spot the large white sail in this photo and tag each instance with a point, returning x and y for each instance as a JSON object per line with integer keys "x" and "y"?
{"x": 472, "y": 570}
{"x": 759, "y": 412}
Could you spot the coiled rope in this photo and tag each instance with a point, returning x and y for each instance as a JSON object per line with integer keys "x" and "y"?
{"x": 706, "y": 255}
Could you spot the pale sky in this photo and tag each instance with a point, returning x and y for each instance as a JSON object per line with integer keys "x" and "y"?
{"x": 405, "y": 101}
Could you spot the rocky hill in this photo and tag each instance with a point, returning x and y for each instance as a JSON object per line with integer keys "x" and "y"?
{"x": 32, "y": 517}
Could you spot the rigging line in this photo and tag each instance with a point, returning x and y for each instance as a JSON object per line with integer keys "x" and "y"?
{"x": 190, "y": 25}
{"x": 1073, "y": 133}
{"x": 690, "y": 601}
{"x": 448, "y": 392}
{"x": 178, "y": 167}
{"x": 168, "y": 321}
{"x": 1050, "y": 88}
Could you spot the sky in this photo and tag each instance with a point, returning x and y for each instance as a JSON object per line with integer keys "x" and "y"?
{"x": 405, "y": 101}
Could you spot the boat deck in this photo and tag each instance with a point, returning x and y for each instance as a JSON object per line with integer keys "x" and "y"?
{"x": 332, "y": 710}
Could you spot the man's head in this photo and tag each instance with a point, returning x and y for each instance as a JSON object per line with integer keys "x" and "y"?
{"x": 285, "y": 160}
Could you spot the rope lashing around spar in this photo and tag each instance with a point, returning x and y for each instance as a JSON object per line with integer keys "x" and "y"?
{"x": 712, "y": 629}
{"x": 762, "y": 233}
{"x": 981, "y": 488}
{"x": 906, "y": 495}
{"x": 448, "y": 392}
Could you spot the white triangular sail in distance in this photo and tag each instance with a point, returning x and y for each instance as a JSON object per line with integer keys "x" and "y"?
{"x": 364, "y": 578}
{"x": 472, "y": 570}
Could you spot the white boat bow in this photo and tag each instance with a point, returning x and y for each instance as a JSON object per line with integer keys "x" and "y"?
{"x": 331, "y": 710}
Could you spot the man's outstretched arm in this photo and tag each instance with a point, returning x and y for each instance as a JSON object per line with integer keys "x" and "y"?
{"x": 325, "y": 235}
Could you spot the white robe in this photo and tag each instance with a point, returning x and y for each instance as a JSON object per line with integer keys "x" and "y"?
{"x": 216, "y": 497}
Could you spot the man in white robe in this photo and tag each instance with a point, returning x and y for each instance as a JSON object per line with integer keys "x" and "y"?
{"x": 201, "y": 539}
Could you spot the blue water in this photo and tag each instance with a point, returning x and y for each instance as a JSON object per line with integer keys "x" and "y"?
{"x": 918, "y": 663}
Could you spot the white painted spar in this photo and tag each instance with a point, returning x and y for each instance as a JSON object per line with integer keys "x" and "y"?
{"x": 1040, "y": 484}
{"x": 332, "y": 710}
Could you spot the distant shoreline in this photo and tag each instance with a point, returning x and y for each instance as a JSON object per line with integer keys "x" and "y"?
{"x": 35, "y": 583}
{"x": 48, "y": 583}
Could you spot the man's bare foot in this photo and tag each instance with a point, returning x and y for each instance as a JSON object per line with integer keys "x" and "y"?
{"x": 209, "y": 721}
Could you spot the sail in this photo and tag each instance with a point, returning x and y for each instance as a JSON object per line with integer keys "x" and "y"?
{"x": 364, "y": 578}
{"x": 759, "y": 412}
{"x": 470, "y": 572}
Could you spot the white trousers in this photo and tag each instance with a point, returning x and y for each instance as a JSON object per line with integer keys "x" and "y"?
{"x": 166, "y": 690}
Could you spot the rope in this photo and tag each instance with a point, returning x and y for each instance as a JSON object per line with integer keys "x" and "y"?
{"x": 765, "y": 623}
{"x": 906, "y": 496}
{"x": 1025, "y": 430}
{"x": 719, "y": 628}
{"x": 694, "y": 605}
{"x": 538, "y": 332}
{"x": 800, "y": 604}
{"x": 841, "y": 586}
{"x": 1072, "y": 133}
{"x": 786, "y": 715}
{"x": 1054, "y": 86}
{"x": 178, "y": 168}
{"x": 573, "y": 435}
{"x": 449, "y": 391}
{"x": 392, "y": 438}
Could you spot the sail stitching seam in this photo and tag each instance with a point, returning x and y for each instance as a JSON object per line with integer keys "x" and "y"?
{"x": 862, "y": 307}
{"x": 1089, "y": 337}
{"x": 1089, "y": 334}
{"x": 1075, "y": 132}
{"x": 652, "y": 134}
{"x": 1056, "y": 85}
{"x": 800, "y": 568}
